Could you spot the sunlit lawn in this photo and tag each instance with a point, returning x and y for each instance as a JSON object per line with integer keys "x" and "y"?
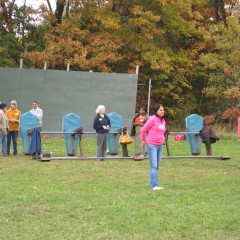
{"x": 90, "y": 199}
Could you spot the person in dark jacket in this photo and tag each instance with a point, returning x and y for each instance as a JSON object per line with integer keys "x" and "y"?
{"x": 208, "y": 137}
{"x": 35, "y": 145}
{"x": 102, "y": 125}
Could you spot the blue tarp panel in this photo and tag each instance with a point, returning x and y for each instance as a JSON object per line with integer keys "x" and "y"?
{"x": 28, "y": 121}
{"x": 194, "y": 123}
{"x": 71, "y": 122}
{"x": 113, "y": 139}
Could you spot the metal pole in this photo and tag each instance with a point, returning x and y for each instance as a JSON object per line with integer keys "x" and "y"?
{"x": 149, "y": 94}
{"x": 21, "y": 63}
{"x": 88, "y": 158}
{"x": 51, "y": 132}
{"x": 131, "y": 158}
{"x": 68, "y": 66}
{"x": 45, "y": 132}
{"x": 173, "y": 133}
{"x": 137, "y": 69}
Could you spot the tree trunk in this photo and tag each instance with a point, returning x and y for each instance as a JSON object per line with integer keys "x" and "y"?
{"x": 49, "y": 6}
{"x": 59, "y": 11}
{"x": 220, "y": 11}
{"x": 7, "y": 12}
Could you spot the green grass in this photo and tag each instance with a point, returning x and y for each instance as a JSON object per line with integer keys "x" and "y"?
{"x": 89, "y": 199}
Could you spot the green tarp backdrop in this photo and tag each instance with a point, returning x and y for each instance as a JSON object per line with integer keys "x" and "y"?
{"x": 62, "y": 92}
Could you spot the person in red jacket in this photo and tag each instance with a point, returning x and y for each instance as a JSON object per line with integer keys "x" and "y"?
{"x": 137, "y": 123}
{"x": 152, "y": 133}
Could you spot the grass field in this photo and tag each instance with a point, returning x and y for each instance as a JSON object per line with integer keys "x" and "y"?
{"x": 89, "y": 199}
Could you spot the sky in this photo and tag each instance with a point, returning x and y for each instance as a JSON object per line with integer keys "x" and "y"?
{"x": 36, "y": 3}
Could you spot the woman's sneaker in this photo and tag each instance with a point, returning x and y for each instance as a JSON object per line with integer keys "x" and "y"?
{"x": 158, "y": 188}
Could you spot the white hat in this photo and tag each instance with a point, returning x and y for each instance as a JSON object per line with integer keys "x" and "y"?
{"x": 14, "y": 102}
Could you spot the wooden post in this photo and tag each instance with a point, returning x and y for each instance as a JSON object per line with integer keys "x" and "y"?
{"x": 209, "y": 149}
{"x": 45, "y": 65}
{"x": 124, "y": 150}
{"x": 166, "y": 142}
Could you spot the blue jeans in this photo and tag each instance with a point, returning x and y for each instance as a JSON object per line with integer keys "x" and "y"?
{"x": 155, "y": 156}
{"x": 12, "y": 135}
{"x": 3, "y": 141}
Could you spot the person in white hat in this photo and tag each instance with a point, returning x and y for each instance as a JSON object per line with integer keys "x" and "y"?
{"x": 13, "y": 115}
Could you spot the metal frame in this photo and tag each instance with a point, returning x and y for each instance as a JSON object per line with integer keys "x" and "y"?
{"x": 73, "y": 132}
{"x": 126, "y": 158}
{"x": 132, "y": 158}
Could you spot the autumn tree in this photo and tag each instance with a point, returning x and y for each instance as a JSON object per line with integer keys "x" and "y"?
{"x": 223, "y": 67}
{"x": 17, "y": 22}
{"x": 7, "y": 10}
{"x": 86, "y": 40}
{"x": 188, "y": 48}
{"x": 179, "y": 40}
{"x": 223, "y": 64}
{"x": 162, "y": 37}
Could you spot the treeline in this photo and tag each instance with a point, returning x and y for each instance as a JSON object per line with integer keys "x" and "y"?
{"x": 189, "y": 48}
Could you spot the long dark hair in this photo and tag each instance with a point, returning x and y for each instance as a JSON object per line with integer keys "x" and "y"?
{"x": 133, "y": 131}
{"x": 156, "y": 107}
{"x": 144, "y": 108}
{"x": 3, "y": 105}
{"x": 138, "y": 114}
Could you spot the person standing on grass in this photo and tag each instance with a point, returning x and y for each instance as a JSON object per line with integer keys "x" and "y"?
{"x": 137, "y": 123}
{"x": 152, "y": 133}
{"x": 102, "y": 125}
{"x": 38, "y": 112}
{"x": 3, "y": 128}
{"x": 13, "y": 115}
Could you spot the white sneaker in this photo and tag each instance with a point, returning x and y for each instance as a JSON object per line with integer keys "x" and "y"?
{"x": 158, "y": 188}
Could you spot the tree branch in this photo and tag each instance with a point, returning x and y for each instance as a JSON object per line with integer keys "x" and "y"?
{"x": 49, "y": 6}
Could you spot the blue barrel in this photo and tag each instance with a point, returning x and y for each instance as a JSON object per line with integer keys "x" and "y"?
{"x": 28, "y": 121}
{"x": 113, "y": 139}
{"x": 194, "y": 123}
{"x": 71, "y": 122}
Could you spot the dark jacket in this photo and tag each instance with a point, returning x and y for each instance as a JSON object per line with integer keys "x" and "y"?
{"x": 208, "y": 135}
{"x": 99, "y": 122}
{"x": 35, "y": 144}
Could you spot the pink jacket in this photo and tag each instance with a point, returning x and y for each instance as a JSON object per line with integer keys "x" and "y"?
{"x": 154, "y": 128}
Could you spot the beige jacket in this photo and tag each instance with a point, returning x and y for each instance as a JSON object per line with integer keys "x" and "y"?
{"x": 3, "y": 122}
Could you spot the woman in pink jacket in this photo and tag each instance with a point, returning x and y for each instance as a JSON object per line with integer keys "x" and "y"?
{"x": 152, "y": 133}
